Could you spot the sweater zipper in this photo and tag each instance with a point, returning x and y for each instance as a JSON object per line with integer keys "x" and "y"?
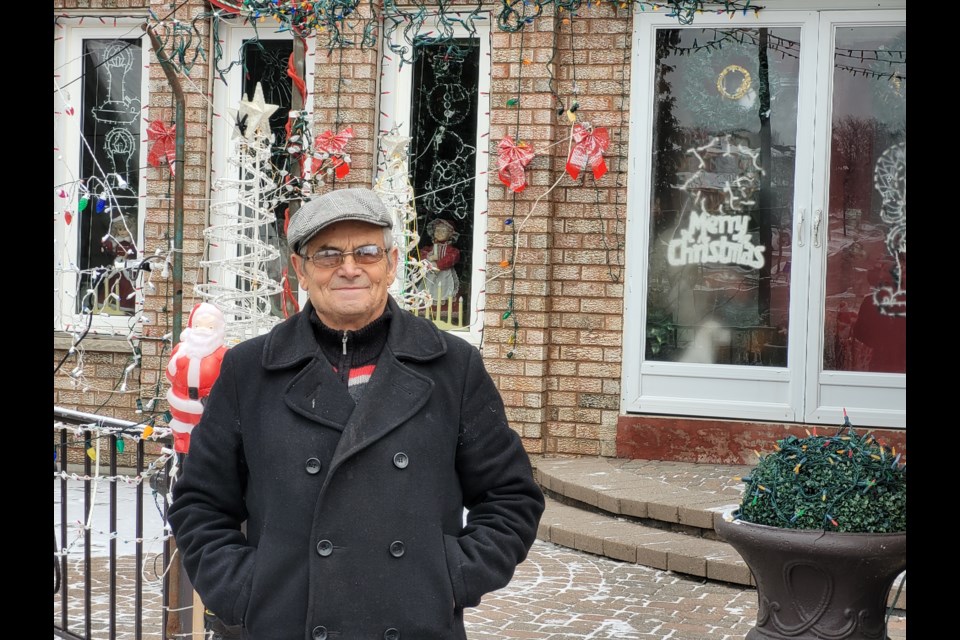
{"x": 344, "y": 343}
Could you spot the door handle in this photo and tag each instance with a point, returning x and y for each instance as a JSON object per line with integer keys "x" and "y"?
{"x": 800, "y": 228}
{"x": 818, "y": 214}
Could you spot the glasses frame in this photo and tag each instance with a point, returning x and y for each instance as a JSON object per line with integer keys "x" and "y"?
{"x": 381, "y": 253}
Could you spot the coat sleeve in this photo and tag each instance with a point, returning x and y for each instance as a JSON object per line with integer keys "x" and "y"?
{"x": 503, "y": 500}
{"x": 208, "y": 505}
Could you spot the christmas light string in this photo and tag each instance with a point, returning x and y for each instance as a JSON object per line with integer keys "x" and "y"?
{"x": 844, "y": 481}
{"x": 85, "y": 528}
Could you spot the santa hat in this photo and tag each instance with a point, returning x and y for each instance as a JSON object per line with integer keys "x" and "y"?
{"x": 205, "y": 308}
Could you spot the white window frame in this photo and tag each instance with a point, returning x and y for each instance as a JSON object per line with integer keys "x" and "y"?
{"x": 68, "y": 65}
{"x": 233, "y": 33}
{"x": 395, "y": 95}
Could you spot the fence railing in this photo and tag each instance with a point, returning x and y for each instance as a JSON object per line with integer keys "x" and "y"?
{"x": 108, "y": 537}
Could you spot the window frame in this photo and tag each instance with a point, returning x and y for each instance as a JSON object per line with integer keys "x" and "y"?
{"x": 68, "y": 65}
{"x": 396, "y": 90}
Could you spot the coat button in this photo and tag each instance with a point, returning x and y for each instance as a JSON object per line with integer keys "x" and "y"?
{"x": 319, "y": 633}
{"x": 324, "y": 548}
{"x": 391, "y": 634}
{"x": 397, "y": 549}
{"x": 400, "y": 460}
{"x": 313, "y": 466}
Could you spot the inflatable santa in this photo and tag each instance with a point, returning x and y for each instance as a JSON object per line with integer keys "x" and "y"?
{"x": 192, "y": 370}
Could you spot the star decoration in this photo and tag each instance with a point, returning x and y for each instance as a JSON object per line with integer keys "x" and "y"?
{"x": 395, "y": 145}
{"x": 255, "y": 115}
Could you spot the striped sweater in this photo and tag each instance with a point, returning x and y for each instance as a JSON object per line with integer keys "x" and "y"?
{"x": 353, "y": 354}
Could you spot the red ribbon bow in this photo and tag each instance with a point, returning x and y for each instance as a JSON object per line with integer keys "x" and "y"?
{"x": 512, "y": 158}
{"x": 164, "y": 145}
{"x": 587, "y": 151}
{"x": 331, "y": 146}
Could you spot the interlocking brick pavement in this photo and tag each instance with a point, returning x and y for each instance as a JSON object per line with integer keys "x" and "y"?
{"x": 562, "y": 594}
{"x": 556, "y": 594}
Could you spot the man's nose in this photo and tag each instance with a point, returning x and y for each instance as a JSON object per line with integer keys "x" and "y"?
{"x": 350, "y": 267}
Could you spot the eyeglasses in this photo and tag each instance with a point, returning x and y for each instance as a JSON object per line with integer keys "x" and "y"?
{"x": 329, "y": 258}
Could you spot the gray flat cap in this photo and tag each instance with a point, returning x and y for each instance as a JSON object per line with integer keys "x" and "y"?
{"x": 336, "y": 206}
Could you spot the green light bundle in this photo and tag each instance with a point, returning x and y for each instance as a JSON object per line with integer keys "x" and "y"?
{"x": 844, "y": 482}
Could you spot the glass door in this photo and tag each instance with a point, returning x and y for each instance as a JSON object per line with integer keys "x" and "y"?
{"x": 749, "y": 293}
{"x": 859, "y": 225}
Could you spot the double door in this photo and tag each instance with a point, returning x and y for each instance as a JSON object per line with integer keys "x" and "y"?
{"x": 767, "y": 263}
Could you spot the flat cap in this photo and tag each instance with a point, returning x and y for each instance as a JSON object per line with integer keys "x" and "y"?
{"x": 360, "y": 204}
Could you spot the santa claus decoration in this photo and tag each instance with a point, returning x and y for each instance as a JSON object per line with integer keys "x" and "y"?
{"x": 193, "y": 368}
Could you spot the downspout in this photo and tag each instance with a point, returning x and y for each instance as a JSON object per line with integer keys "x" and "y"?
{"x": 178, "y": 182}
{"x": 172, "y": 624}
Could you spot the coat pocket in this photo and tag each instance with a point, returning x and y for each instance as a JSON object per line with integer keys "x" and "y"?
{"x": 452, "y": 554}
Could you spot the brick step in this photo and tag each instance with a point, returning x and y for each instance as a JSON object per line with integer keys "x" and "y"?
{"x": 653, "y": 513}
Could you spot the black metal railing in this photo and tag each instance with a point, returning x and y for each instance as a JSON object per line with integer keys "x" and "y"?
{"x": 87, "y": 602}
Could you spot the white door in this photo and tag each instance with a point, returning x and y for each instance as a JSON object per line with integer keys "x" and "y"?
{"x": 755, "y": 138}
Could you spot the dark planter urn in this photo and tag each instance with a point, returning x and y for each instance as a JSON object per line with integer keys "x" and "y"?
{"x": 818, "y": 585}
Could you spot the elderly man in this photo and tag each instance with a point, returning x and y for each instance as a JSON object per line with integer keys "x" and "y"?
{"x": 350, "y": 439}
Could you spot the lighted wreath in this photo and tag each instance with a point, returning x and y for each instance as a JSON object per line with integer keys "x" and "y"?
{"x": 721, "y": 84}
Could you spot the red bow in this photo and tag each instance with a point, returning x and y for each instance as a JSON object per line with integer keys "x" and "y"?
{"x": 164, "y": 145}
{"x": 331, "y": 146}
{"x": 512, "y": 158}
{"x": 587, "y": 151}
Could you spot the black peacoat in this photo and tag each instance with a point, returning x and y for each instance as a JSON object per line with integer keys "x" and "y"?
{"x": 355, "y": 525}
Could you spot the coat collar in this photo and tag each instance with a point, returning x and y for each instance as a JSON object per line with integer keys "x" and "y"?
{"x": 292, "y": 342}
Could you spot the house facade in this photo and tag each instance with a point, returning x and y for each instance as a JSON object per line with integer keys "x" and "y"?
{"x": 673, "y": 229}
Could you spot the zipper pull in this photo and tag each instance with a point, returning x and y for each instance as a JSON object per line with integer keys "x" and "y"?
{"x": 344, "y": 343}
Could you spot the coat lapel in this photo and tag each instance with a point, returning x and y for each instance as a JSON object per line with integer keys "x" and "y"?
{"x": 317, "y": 394}
{"x": 394, "y": 394}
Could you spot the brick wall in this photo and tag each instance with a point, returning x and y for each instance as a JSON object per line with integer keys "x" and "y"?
{"x": 560, "y": 379}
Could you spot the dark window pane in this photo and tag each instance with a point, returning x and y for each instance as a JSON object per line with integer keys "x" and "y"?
{"x": 109, "y": 166}
{"x": 443, "y": 150}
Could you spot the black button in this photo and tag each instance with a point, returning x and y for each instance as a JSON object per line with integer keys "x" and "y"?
{"x": 391, "y": 634}
{"x": 313, "y": 466}
{"x": 324, "y": 548}
{"x": 397, "y": 549}
{"x": 401, "y": 460}
{"x": 319, "y": 633}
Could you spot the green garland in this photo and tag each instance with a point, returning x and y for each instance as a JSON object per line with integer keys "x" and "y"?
{"x": 842, "y": 482}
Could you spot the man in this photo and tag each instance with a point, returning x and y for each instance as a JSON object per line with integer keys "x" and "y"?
{"x": 351, "y": 438}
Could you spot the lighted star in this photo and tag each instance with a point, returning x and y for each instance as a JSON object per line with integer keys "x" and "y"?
{"x": 395, "y": 145}
{"x": 255, "y": 115}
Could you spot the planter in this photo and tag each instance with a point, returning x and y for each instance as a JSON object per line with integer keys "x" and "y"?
{"x": 818, "y": 585}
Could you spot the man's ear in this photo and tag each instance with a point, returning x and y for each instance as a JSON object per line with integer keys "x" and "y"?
{"x": 299, "y": 266}
{"x": 393, "y": 259}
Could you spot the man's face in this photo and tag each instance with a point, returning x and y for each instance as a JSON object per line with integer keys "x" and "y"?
{"x": 351, "y": 295}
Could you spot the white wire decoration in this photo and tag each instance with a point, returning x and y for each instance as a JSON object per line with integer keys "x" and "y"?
{"x": 396, "y": 192}
{"x": 243, "y": 211}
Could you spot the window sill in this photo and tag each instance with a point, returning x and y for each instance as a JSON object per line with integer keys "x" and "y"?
{"x": 93, "y": 342}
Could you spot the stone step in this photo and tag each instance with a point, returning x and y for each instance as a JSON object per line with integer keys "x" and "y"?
{"x": 629, "y": 541}
{"x": 654, "y": 513}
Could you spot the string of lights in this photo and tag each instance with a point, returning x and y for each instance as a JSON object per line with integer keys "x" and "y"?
{"x": 840, "y": 481}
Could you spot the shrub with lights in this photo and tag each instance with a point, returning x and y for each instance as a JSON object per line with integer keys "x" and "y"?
{"x": 844, "y": 481}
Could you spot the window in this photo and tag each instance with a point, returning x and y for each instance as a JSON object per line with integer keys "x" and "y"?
{"x": 255, "y": 57}
{"x": 99, "y": 91}
{"x": 439, "y": 97}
